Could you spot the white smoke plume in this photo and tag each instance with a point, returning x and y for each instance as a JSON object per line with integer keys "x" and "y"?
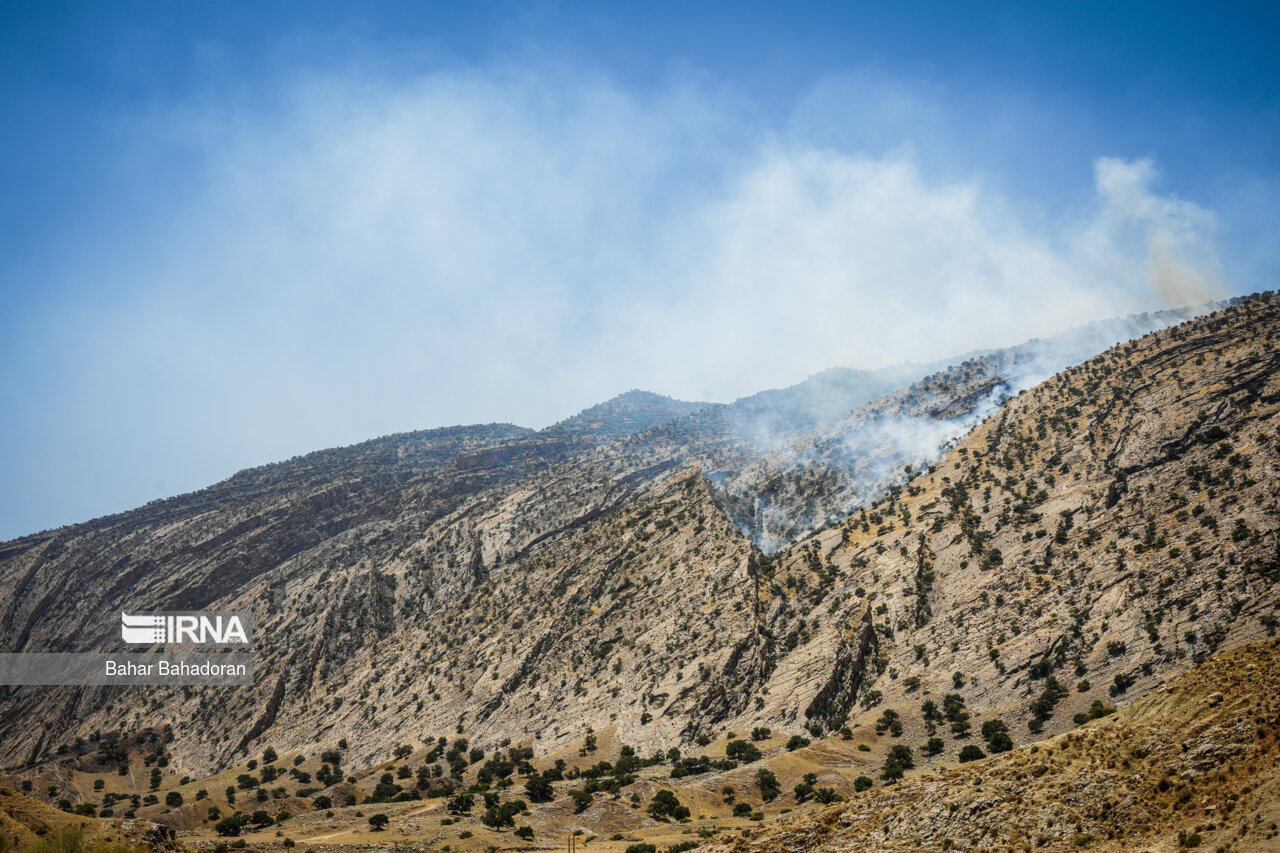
{"x": 367, "y": 255}
{"x": 801, "y": 484}
{"x": 1181, "y": 262}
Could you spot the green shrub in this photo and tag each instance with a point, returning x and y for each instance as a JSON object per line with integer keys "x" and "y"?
{"x": 744, "y": 751}
{"x": 1000, "y": 742}
{"x": 539, "y": 789}
{"x": 768, "y": 782}
{"x": 991, "y": 727}
{"x": 797, "y": 742}
{"x": 581, "y": 799}
{"x": 666, "y": 804}
{"x": 1120, "y": 684}
{"x": 1096, "y": 711}
{"x": 227, "y": 827}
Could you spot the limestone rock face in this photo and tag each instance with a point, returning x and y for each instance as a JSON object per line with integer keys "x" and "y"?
{"x": 1148, "y": 778}
{"x": 1085, "y": 540}
{"x": 1109, "y": 528}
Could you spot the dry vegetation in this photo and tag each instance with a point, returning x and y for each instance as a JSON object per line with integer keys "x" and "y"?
{"x": 482, "y": 630}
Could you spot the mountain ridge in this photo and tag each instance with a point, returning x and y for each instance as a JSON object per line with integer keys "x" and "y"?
{"x": 1093, "y": 537}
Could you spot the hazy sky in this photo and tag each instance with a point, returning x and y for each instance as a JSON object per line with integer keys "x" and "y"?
{"x": 234, "y": 232}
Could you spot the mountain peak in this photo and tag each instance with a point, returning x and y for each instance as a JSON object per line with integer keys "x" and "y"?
{"x": 626, "y": 414}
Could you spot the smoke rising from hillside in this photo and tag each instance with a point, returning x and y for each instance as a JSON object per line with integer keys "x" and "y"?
{"x": 799, "y": 485}
{"x": 367, "y": 256}
{"x": 1181, "y": 262}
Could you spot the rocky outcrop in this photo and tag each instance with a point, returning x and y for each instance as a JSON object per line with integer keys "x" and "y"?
{"x": 1171, "y": 766}
{"x": 852, "y": 670}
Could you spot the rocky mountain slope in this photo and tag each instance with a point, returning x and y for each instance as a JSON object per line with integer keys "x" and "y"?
{"x": 819, "y": 477}
{"x": 465, "y": 500}
{"x": 1195, "y": 764}
{"x": 1091, "y": 538}
{"x": 1107, "y": 528}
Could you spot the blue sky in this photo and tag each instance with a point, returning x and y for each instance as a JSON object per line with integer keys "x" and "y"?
{"x": 233, "y": 232}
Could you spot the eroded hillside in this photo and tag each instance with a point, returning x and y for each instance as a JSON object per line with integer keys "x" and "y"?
{"x": 1195, "y": 764}
{"x": 1093, "y": 538}
{"x": 1109, "y": 528}
{"x": 818, "y": 478}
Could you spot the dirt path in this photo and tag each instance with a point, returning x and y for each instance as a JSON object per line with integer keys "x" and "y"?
{"x": 330, "y": 835}
{"x": 415, "y": 812}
